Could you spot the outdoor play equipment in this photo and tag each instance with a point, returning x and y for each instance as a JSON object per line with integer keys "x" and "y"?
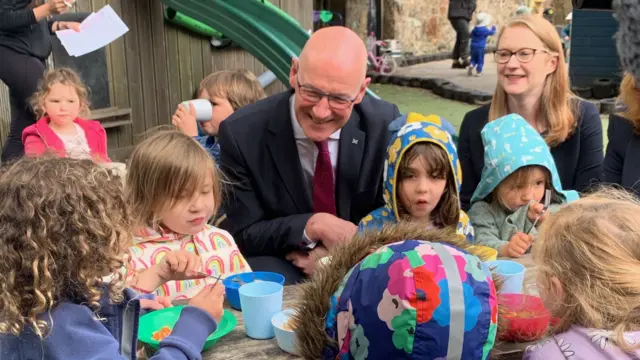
{"x": 323, "y": 18}
{"x": 218, "y": 39}
{"x": 269, "y": 34}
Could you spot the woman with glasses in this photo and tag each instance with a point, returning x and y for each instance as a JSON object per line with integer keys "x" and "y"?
{"x": 533, "y": 82}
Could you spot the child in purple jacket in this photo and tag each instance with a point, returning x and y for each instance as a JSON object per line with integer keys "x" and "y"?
{"x": 479, "y": 36}
{"x": 588, "y": 266}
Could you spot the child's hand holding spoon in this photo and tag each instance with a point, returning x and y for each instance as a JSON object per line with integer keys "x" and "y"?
{"x": 537, "y": 212}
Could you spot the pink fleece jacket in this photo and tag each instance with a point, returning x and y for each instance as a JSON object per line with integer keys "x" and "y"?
{"x": 39, "y": 138}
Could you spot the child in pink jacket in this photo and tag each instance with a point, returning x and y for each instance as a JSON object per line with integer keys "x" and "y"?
{"x": 60, "y": 99}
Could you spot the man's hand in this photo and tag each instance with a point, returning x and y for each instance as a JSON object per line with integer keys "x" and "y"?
{"x": 307, "y": 262}
{"x": 329, "y": 229}
{"x": 517, "y": 246}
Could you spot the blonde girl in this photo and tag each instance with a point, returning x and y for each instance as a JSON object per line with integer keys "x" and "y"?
{"x": 587, "y": 261}
{"x": 173, "y": 186}
{"x": 65, "y": 229}
{"x": 533, "y": 82}
{"x": 61, "y": 103}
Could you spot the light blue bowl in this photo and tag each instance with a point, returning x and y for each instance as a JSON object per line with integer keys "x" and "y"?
{"x": 286, "y": 338}
{"x": 233, "y": 283}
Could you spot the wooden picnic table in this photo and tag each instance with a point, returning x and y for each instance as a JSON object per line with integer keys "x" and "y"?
{"x": 237, "y": 345}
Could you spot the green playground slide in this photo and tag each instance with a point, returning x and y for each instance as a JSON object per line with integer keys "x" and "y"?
{"x": 262, "y": 29}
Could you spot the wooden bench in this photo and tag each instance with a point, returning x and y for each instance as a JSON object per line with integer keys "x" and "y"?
{"x": 112, "y": 117}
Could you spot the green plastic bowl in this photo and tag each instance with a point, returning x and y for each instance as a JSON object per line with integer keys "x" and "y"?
{"x": 155, "y": 320}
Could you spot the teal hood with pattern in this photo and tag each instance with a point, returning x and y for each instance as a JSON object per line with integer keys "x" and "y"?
{"x": 509, "y": 144}
{"x": 416, "y": 129}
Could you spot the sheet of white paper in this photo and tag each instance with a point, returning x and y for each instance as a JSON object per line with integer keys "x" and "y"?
{"x": 96, "y": 31}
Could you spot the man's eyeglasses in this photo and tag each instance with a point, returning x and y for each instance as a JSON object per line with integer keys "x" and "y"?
{"x": 523, "y": 55}
{"x": 336, "y": 102}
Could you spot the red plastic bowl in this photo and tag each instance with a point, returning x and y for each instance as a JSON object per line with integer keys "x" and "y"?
{"x": 525, "y": 317}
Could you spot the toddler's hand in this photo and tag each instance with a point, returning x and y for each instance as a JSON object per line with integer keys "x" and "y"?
{"x": 535, "y": 209}
{"x": 159, "y": 303}
{"x": 180, "y": 265}
{"x": 517, "y": 246}
{"x": 185, "y": 120}
{"x": 210, "y": 300}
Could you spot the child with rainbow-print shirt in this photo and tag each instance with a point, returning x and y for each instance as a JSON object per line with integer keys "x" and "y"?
{"x": 174, "y": 191}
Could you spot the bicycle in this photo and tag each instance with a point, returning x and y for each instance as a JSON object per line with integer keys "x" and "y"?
{"x": 384, "y": 64}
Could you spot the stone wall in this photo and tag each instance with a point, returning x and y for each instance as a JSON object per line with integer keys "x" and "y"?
{"x": 422, "y": 26}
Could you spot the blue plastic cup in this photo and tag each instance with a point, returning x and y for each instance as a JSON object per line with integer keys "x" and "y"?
{"x": 513, "y": 274}
{"x": 260, "y": 301}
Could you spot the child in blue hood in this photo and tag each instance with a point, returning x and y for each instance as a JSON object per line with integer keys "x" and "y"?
{"x": 518, "y": 169}
{"x": 422, "y": 178}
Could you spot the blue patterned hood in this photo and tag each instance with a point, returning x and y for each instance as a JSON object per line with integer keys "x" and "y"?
{"x": 416, "y": 129}
{"x": 509, "y": 144}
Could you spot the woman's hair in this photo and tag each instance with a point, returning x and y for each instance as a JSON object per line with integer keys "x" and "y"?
{"x": 162, "y": 169}
{"x": 519, "y": 179}
{"x": 591, "y": 247}
{"x": 558, "y": 102}
{"x": 629, "y": 96}
{"x": 65, "y": 76}
{"x": 435, "y": 160}
{"x": 64, "y": 224}
{"x": 240, "y": 87}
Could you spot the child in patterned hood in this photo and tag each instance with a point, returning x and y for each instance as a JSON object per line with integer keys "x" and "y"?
{"x": 404, "y": 292}
{"x": 588, "y": 264}
{"x": 422, "y": 177}
{"x": 518, "y": 169}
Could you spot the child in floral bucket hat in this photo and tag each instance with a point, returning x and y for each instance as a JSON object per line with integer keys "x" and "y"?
{"x": 403, "y": 293}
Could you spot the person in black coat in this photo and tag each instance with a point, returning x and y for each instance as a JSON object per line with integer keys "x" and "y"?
{"x": 533, "y": 82}
{"x": 459, "y": 14}
{"x": 305, "y": 165}
{"x": 25, "y": 44}
{"x": 622, "y": 161}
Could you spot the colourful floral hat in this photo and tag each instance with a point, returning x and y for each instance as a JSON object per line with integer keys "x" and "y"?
{"x": 412, "y": 299}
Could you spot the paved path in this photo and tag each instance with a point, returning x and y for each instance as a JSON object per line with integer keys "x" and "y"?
{"x": 443, "y": 70}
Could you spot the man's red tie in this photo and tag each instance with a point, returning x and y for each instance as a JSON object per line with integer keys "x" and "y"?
{"x": 324, "y": 198}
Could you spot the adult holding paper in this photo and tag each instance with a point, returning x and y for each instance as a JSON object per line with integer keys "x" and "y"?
{"x": 26, "y": 27}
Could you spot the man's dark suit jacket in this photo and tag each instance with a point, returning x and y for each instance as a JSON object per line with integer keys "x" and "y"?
{"x": 267, "y": 203}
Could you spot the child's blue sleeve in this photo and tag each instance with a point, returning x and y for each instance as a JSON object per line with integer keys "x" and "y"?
{"x": 77, "y": 334}
{"x": 493, "y": 30}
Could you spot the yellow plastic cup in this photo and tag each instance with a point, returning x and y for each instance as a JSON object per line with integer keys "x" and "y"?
{"x": 485, "y": 253}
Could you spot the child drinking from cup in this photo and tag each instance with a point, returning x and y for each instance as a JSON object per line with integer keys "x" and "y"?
{"x": 518, "y": 169}
{"x": 404, "y": 292}
{"x": 65, "y": 228}
{"x": 421, "y": 179}
{"x": 587, "y": 263}
{"x": 60, "y": 102}
{"x": 173, "y": 186}
{"x": 228, "y": 91}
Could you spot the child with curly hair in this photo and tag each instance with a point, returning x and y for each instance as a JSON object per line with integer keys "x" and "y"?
{"x": 588, "y": 260}
{"x": 65, "y": 230}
